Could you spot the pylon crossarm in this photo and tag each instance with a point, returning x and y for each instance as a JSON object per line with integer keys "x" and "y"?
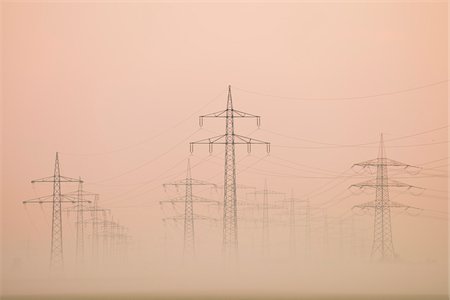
{"x": 400, "y": 205}
{"x": 173, "y": 200}
{"x": 240, "y": 186}
{"x": 204, "y": 218}
{"x": 45, "y": 179}
{"x": 72, "y": 209}
{"x": 234, "y": 112}
{"x": 37, "y": 200}
{"x": 202, "y": 199}
{"x": 370, "y": 204}
{"x": 82, "y": 193}
{"x": 96, "y": 209}
{"x": 46, "y": 199}
{"x": 241, "y": 114}
{"x": 176, "y": 218}
{"x": 217, "y": 114}
{"x": 52, "y": 179}
{"x": 382, "y": 162}
{"x": 188, "y": 182}
{"x": 195, "y": 199}
{"x": 212, "y": 140}
{"x": 270, "y": 192}
{"x": 372, "y": 183}
{"x": 75, "y": 198}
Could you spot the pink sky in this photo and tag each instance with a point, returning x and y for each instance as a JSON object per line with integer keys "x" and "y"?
{"x": 87, "y": 79}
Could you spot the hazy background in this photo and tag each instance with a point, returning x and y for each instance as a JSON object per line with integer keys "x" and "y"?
{"x": 116, "y": 88}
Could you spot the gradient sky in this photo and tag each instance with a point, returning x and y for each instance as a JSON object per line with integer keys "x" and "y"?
{"x": 116, "y": 88}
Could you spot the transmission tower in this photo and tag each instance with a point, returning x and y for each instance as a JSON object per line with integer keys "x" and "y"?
{"x": 56, "y": 248}
{"x": 189, "y": 216}
{"x": 382, "y": 246}
{"x": 80, "y": 208}
{"x": 299, "y": 208}
{"x": 94, "y": 209}
{"x": 230, "y": 139}
{"x": 265, "y": 216}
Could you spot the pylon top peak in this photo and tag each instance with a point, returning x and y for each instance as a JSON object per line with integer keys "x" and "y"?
{"x": 189, "y": 169}
{"x": 381, "y": 150}
{"x": 230, "y": 100}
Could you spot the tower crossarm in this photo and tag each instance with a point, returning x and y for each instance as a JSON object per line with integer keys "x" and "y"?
{"x": 382, "y": 161}
{"x": 188, "y": 181}
{"x": 181, "y": 218}
{"x": 391, "y": 204}
{"x": 372, "y": 183}
{"x": 52, "y": 179}
{"x": 195, "y": 199}
{"x": 269, "y": 192}
{"x": 237, "y": 140}
{"x": 49, "y": 199}
{"x": 232, "y": 112}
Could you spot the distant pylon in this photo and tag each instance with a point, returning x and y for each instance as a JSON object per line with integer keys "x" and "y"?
{"x": 265, "y": 216}
{"x": 382, "y": 246}
{"x": 230, "y": 139}
{"x": 80, "y": 225}
{"x": 80, "y": 208}
{"x": 56, "y": 248}
{"x": 303, "y": 211}
{"x": 189, "y": 216}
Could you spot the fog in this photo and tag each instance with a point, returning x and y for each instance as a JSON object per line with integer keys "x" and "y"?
{"x": 117, "y": 89}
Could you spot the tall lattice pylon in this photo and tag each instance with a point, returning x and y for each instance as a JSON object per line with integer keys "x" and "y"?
{"x": 78, "y": 208}
{"x": 230, "y": 139}
{"x": 265, "y": 216}
{"x": 299, "y": 214}
{"x": 382, "y": 246}
{"x": 56, "y": 248}
{"x": 189, "y": 215}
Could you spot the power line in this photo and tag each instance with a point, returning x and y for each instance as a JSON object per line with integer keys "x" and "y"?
{"x": 335, "y": 145}
{"x": 146, "y": 140}
{"x": 149, "y": 161}
{"x": 366, "y": 97}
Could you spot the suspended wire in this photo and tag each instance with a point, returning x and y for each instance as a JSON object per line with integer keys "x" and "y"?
{"x": 156, "y": 178}
{"x": 207, "y": 179}
{"x": 433, "y": 161}
{"x": 31, "y": 221}
{"x": 146, "y": 140}
{"x": 302, "y": 165}
{"x": 211, "y": 156}
{"x": 147, "y": 162}
{"x": 334, "y": 145}
{"x": 365, "y": 97}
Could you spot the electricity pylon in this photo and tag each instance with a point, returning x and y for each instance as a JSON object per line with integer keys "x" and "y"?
{"x": 189, "y": 216}
{"x": 230, "y": 139}
{"x": 111, "y": 238}
{"x": 382, "y": 246}
{"x": 265, "y": 216}
{"x": 301, "y": 208}
{"x": 80, "y": 209}
{"x": 94, "y": 209}
{"x": 56, "y": 248}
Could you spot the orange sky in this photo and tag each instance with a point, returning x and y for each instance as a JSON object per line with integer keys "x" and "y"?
{"x": 116, "y": 88}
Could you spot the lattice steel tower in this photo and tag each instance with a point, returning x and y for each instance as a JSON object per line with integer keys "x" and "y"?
{"x": 265, "y": 241}
{"x": 383, "y": 246}
{"x": 230, "y": 139}
{"x": 189, "y": 199}
{"x": 56, "y": 249}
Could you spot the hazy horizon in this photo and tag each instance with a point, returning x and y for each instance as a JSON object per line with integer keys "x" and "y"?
{"x": 117, "y": 88}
